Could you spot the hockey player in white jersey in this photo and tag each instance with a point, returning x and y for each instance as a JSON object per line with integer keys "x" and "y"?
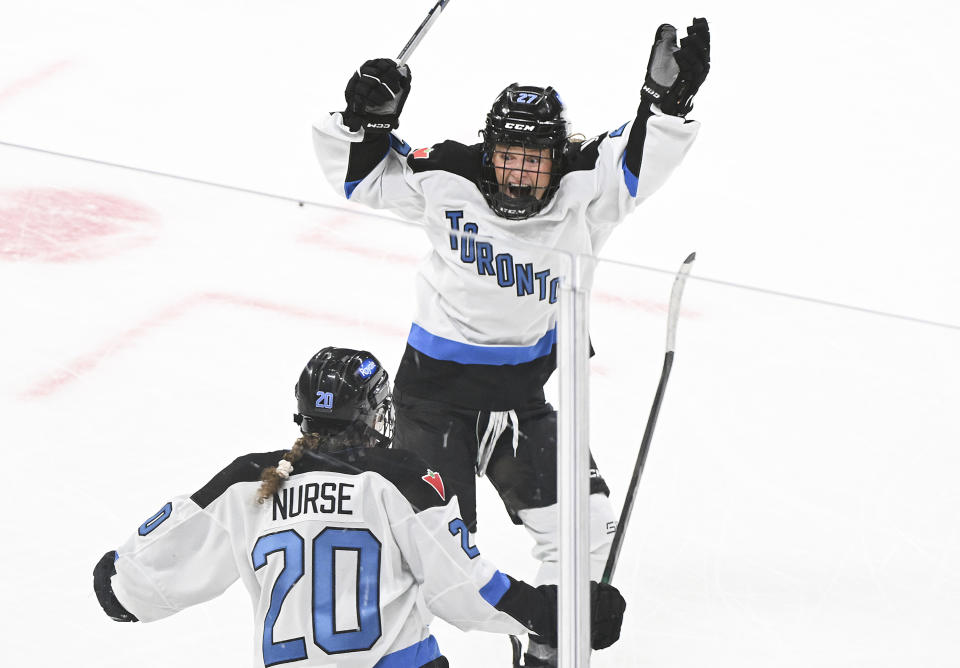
{"x": 469, "y": 388}
{"x": 338, "y": 542}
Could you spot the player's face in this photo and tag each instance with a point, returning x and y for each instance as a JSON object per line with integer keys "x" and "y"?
{"x": 522, "y": 171}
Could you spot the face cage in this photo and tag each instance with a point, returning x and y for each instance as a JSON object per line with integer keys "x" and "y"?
{"x": 517, "y": 208}
{"x": 383, "y": 422}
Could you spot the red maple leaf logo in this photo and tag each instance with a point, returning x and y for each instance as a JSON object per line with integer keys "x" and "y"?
{"x": 434, "y": 480}
{"x": 422, "y": 152}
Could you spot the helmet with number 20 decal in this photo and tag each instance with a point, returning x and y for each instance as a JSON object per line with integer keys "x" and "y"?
{"x": 342, "y": 388}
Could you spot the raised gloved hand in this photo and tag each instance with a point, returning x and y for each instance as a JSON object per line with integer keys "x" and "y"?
{"x": 375, "y": 95}
{"x": 674, "y": 74}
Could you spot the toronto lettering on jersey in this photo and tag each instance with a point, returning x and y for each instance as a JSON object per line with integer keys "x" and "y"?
{"x": 500, "y": 265}
{"x": 319, "y": 498}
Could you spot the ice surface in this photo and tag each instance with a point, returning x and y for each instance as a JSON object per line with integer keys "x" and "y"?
{"x": 800, "y": 504}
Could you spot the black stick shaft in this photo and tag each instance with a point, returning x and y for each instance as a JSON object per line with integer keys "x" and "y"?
{"x": 637, "y": 471}
{"x": 676, "y": 294}
{"x": 420, "y": 32}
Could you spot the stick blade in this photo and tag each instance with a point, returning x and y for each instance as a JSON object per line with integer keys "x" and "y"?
{"x": 676, "y": 295}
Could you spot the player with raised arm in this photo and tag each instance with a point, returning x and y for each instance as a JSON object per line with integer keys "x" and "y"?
{"x": 469, "y": 388}
{"x": 339, "y": 542}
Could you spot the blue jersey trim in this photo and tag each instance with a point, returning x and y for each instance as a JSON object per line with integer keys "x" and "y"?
{"x": 618, "y": 131}
{"x": 440, "y": 348}
{"x": 398, "y": 145}
{"x": 349, "y": 187}
{"x": 494, "y": 590}
{"x": 631, "y": 179}
{"x": 414, "y": 656}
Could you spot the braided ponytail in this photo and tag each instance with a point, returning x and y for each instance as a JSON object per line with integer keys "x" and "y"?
{"x": 272, "y": 477}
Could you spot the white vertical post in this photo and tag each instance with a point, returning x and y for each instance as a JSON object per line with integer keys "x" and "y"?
{"x": 573, "y": 464}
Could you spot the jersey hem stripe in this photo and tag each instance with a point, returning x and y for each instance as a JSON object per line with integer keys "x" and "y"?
{"x": 425, "y": 651}
{"x": 440, "y": 348}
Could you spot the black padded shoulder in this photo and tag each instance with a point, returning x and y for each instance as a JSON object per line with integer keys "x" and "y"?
{"x": 404, "y": 469}
{"x": 243, "y": 469}
{"x": 582, "y": 156}
{"x": 448, "y": 156}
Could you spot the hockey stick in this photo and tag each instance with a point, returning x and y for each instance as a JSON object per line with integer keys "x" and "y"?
{"x": 517, "y": 648}
{"x": 676, "y": 294}
{"x": 418, "y": 35}
{"x": 673, "y": 314}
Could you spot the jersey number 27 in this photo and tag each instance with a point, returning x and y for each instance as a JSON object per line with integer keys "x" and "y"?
{"x": 324, "y": 548}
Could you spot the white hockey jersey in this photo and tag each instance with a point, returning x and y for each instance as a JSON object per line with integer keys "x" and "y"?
{"x": 334, "y": 564}
{"x": 488, "y": 306}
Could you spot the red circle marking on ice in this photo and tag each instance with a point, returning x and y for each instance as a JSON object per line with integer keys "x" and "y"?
{"x": 53, "y": 225}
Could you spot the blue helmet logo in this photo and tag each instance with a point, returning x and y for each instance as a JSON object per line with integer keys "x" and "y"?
{"x": 367, "y": 369}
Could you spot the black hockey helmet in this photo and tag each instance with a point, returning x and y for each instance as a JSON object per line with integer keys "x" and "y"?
{"x": 341, "y": 387}
{"x": 532, "y": 118}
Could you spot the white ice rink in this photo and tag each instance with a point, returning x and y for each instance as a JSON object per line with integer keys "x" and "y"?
{"x": 800, "y": 505}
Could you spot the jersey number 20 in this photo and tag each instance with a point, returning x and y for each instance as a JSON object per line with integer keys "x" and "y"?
{"x": 324, "y": 548}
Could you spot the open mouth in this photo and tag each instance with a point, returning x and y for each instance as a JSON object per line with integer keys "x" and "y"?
{"x": 519, "y": 191}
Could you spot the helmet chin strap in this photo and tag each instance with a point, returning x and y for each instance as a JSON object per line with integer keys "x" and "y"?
{"x": 515, "y": 208}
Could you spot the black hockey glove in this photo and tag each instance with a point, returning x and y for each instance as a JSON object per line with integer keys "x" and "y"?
{"x": 606, "y": 614}
{"x": 537, "y": 610}
{"x": 102, "y": 572}
{"x": 674, "y": 74}
{"x": 375, "y": 95}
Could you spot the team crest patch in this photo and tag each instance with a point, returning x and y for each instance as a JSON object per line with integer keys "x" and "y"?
{"x": 367, "y": 369}
{"x": 422, "y": 152}
{"x": 434, "y": 480}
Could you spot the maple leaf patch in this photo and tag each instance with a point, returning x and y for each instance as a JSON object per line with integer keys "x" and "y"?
{"x": 434, "y": 480}
{"x": 422, "y": 152}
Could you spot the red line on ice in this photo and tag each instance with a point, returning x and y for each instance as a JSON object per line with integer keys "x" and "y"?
{"x": 83, "y": 364}
{"x": 45, "y": 224}
{"x": 648, "y": 305}
{"x": 323, "y": 237}
{"x": 34, "y": 79}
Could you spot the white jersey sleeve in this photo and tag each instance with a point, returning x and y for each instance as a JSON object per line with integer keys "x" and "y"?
{"x": 372, "y": 171}
{"x": 179, "y": 557}
{"x": 458, "y": 584}
{"x": 630, "y": 164}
